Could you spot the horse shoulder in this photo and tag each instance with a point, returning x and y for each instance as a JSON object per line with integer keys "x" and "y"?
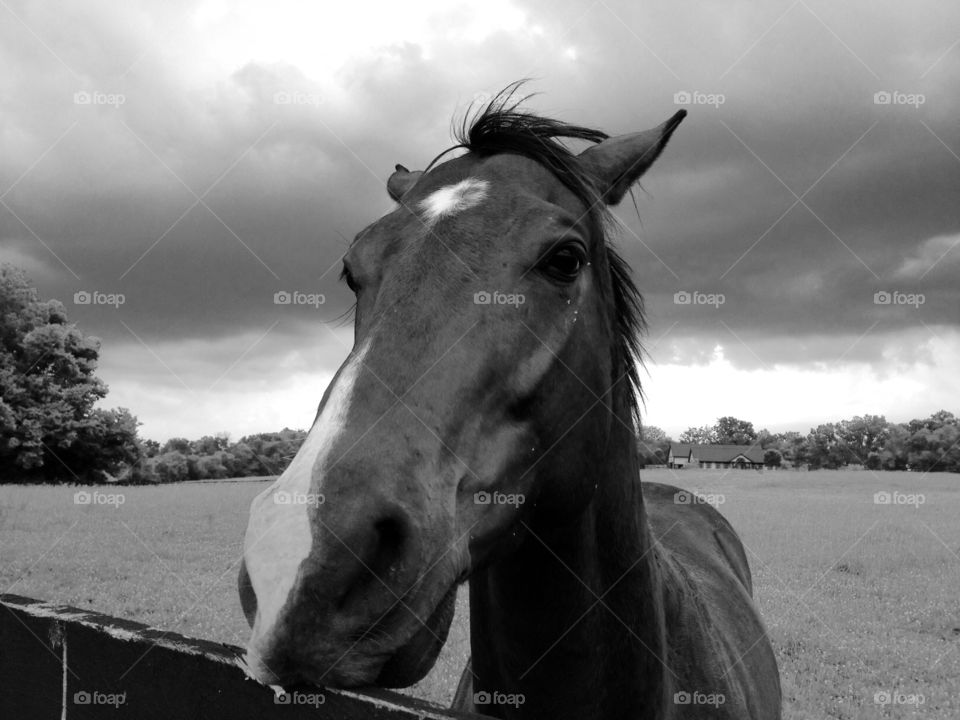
{"x": 696, "y": 530}
{"x": 714, "y": 629}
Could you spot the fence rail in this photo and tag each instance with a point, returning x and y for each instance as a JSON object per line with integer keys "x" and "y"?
{"x": 62, "y": 662}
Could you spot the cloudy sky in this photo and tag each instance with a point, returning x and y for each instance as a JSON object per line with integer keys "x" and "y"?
{"x": 199, "y": 157}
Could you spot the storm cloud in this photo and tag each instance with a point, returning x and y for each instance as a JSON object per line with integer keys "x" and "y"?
{"x": 201, "y": 158}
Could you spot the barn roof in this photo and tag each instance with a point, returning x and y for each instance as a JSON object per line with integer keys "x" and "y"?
{"x": 718, "y": 453}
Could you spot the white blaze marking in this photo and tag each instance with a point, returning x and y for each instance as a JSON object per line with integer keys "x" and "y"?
{"x": 452, "y": 199}
{"x": 278, "y": 536}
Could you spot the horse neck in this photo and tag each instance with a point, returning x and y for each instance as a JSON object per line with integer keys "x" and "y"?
{"x": 537, "y": 627}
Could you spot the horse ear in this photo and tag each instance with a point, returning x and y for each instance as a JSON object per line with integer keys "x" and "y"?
{"x": 401, "y": 181}
{"x": 618, "y": 162}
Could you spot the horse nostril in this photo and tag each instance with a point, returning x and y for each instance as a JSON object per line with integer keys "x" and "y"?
{"x": 381, "y": 555}
{"x": 248, "y": 598}
{"x": 389, "y": 548}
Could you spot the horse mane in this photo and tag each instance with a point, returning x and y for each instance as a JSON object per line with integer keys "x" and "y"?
{"x": 502, "y": 127}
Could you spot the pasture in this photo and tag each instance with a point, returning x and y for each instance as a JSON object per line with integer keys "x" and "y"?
{"x": 862, "y": 599}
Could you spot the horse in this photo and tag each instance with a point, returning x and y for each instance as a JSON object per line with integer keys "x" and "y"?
{"x": 483, "y": 429}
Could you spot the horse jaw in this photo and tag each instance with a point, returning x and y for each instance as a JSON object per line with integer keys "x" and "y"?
{"x": 416, "y": 658}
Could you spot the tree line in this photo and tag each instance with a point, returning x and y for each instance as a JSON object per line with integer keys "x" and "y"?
{"x": 215, "y": 457}
{"x": 926, "y": 445}
{"x": 51, "y": 431}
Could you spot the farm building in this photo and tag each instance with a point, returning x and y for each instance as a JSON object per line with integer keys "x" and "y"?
{"x": 748, "y": 457}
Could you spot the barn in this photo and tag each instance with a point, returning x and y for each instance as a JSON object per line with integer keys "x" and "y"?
{"x": 715, "y": 457}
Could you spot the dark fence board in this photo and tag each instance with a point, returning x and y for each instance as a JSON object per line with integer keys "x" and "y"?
{"x": 61, "y": 662}
{"x": 31, "y": 666}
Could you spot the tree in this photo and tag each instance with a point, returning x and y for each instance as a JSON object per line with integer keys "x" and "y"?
{"x": 824, "y": 448}
{"x": 171, "y": 467}
{"x": 935, "y": 450}
{"x": 245, "y": 462}
{"x": 106, "y": 446}
{"x": 772, "y": 458}
{"x": 731, "y": 431}
{"x": 698, "y": 435}
{"x": 653, "y": 445}
{"x": 934, "y": 422}
{"x": 785, "y": 443}
{"x": 652, "y": 434}
{"x": 765, "y": 438}
{"x": 274, "y": 451}
{"x": 215, "y": 466}
{"x": 177, "y": 444}
{"x": 864, "y": 437}
{"x": 893, "y": 456}
{"x": 49, "y": 430}
{"x": 210, "y": 444}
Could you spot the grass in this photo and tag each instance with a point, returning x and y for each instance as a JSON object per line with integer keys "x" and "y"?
{"x": 860, "y": 598}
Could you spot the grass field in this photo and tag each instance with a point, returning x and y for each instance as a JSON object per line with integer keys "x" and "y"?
{"x": 860, "y": 598}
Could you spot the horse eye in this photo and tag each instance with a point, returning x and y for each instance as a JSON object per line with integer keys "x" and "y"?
{"x": 565, "y": 263}
{"x": 347, "y": 277}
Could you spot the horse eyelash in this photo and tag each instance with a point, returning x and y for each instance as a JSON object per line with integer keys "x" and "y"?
{"x": 347, "y": 316}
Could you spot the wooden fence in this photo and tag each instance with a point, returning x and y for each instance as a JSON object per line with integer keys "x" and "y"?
{"x": 59, "y": 662}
